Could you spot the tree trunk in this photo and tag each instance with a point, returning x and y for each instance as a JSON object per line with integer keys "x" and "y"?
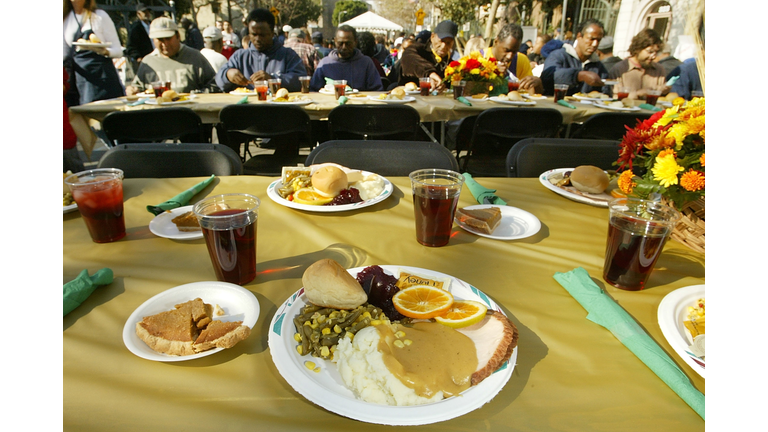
{"x": 491, "y": 19}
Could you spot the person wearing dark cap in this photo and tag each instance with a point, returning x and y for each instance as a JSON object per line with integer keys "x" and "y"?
{"x": 306, "y": 52}
{"x": 577, "y": 65}
{"x": 605, "y": 52}
{"x": 346, "y": 62}
{"x": 192, "y": 36}
{"x": 139, "y": 44}
{"x": 317, "y": 41}
{"x": 429, "y": 55}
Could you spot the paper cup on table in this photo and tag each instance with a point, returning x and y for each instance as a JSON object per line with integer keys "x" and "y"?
{"x": 274, "y": 85}
{"x": 652, "y": 96}
{"x": 425, "y": 85}
{"x": 99, "y": 197}
{"x": 261, "y": 87}
{"x": 304, "y": 80}
{"x": 560, "y": 91}
{"x": 229, "y": 227}
{"x": 339, "y": 88}
{"x": 435, "y": 196}
{"x": 637, "y": 232}
{"x": 458, "y": 88}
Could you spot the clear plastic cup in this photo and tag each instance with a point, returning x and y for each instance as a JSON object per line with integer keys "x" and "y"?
{"x": 99, "y": 197}
{"x": 435, "y": 196}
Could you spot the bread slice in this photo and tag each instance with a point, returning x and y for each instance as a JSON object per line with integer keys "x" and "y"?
{"x": 327, "y": 284}
{"x": 187, "y": 222}
{"x": 221, "y": 334}
{"x": 484, "y": 220}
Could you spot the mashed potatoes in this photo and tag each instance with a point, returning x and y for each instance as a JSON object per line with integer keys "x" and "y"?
{"x": 362, "y": 369}
{"x": 369, "y": 187}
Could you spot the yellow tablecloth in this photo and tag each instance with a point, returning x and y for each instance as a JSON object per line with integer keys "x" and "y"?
{"x": 571, "y": 374}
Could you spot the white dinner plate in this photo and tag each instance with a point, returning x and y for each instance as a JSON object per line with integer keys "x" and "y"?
{"x": 154, "y": 102}
{"x": 610, "y": 82}
{"x": 405, "y": 99}
{"x": 511, "y": 102}
{"x": 331, "y": 92}
{"x": 515, "y": 223}
{"x": 673, "y": 310}
{"x": 592, "y": 99}
{"x": 665, "y": 104}
{"x": 612, "y": 108}
{"x": 238, "y": 304}
{"x": 298, "y": 102}
{"x": 272, "y": 192}
{"x": 570, "y": 192}
{"x": 92, "y": 44}
{"x": 327, "y": 390}
{"x": 162, "y": 226}
{"x": 70, "y": 208}
{"x": 250, "y": 93}
{"x": 528, "y": 96}
{"x": 413, "y": 92}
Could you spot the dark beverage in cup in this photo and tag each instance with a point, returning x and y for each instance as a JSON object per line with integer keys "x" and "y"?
{"x": 434, "y": 209}
{"x": 161, "y": 87}
{"x": 513, "y": 85}
{"x": 651, "y": 99}
{"x": 304, "y": 84}
{"x": 560, "y": 92}
{"x": 99, "y": 197}
{"x": 622, "y": 95}
{"x": 274, "y": 86}
{"x": 458, "y": 89}
{"x": 425, "y": 87}
{"x": 232, "y": 251}
{"x": 261, "y": 88}
{"x": 339, "y": 90}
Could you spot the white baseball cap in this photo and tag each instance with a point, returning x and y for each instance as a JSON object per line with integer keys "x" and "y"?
{"x": 287, "y": 28}
{"x": 212, "y": 33}
{"x": 162, "y": 27}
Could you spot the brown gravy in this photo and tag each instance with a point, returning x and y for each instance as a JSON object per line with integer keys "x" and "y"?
{"x": 438, "y": 358}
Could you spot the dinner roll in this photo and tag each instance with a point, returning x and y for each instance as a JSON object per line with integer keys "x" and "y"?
{"x": 411, "y": 86}
{"x": 514, "y": 95}
{"x": 327, "y": 284}
{"x": 170, "y": 94}
{"x": 589, "y": 179}
{"x": 398, "y": 92}
{"x": 329, "y": 180}
{"x": 282, "y": 93}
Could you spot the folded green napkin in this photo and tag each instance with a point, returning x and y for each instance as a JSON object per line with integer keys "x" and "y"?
{"x": 605, "y": 311}
{"x": 463, "y": 100}
{"x": 649, "y": 107}
{"x": 481, "y": 193}
{"x": 343, "y": 100}
{"x": 181, "y": 199}
{"x": 77, "y": 290}
{"x": 244, "y": 100}
{"x": 566, "y": 104}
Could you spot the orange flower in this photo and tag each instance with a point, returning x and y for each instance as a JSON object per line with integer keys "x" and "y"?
{"x": 692, "y": 180}
{"x": 660, "y": 141}
{"x": 667, "y": 152}
{"x": 701, "y": 159}
{"x": 625, "y": 182}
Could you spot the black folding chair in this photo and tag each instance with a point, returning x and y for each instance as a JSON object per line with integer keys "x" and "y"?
{"x": 154, "y": 125}
{"x": 163, "y": 160}
{"x": 533, "y": 156}
{"x": 387, "y": 158}
{"x": 376, "y": 122}
{"x": 285, "y": 129}
{"x": 608, "y": 125}
{"x": 497, "y": 130}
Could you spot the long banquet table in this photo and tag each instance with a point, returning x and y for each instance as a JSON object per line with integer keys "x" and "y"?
{"x": 571, "y": 374}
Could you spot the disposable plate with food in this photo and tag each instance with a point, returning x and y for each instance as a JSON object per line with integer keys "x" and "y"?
{"x": 405, "y": 99}
{"x": 610, "y": 82}
{"x": 295, "y": 102}
{"x": 512, "y": 102}
{"x": 592, "y": 99}
{"x": 665, "y": 104}
{"x": 515, "y": 223}
{"x": 570, "y": 192}
{"x": 673, "y": 310}
{"x": 330, "y": 92}
{"x": 244, "y": 93}
{"x": 238, "y": 304}
{"x": 327, "y": 390}
{"x": 181, "y": 102}
{"x": 163, "y": 226}
{"x": 70, "y": 208}
{"x": 615, "y": 108}
{"x": 533, "y": 97}
{"x": 413, "y": 92}
{"x": 92, "y": 44}
{"x": 274, "y": 195}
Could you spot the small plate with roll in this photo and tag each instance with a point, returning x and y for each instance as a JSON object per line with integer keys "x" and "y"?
{"x": 177, "y": 224}
{"x": 589, "y": 185}
{"x": 498, "y": 222}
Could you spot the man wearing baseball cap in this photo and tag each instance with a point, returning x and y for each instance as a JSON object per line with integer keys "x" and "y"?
{"x": 139, "y": 44}
{"x": 429, "y": 59}
{"x": 172, "y": 61}
{"x": 605, "y": 52}
{"x": 214, "y": 43}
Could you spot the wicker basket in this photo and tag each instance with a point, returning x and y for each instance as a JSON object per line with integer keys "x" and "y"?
{"x": 690, "y": 230}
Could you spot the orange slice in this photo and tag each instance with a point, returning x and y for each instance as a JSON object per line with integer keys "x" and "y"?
{"x": 310, "y": 197}
{"x": 422, "y": 301}
{"x": 462, "y": 313}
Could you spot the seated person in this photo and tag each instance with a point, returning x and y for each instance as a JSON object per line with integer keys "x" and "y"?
{"x": 638, "y": 72}
{"x": 605, "y": 52}
{"x": 577, "y": 65}
{"x": 172, "y": 61}
{"x": 511, "y": 62}
{"x": 263, "y": 59}
{"x": 346, "y": 62}
{"x": 428, "y": 57}
{"x": 689, "y": 80}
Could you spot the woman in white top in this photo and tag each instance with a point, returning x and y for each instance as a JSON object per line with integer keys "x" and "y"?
{"x": 92, "y": 70}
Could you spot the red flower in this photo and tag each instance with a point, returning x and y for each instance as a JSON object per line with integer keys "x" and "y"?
{"x": 454, "y": 64}
{"x": 472, "y": 64}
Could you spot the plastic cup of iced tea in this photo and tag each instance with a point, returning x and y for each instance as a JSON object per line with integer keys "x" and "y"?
{"x": 340, "y": 88}
{"x": 229, "y": 227}
{"x": 261, "y": 87}
{"x": 620, "y": 92}
{"x": 637, "y": 232}
{"x": 458, "y": 88}
{"x": 160, "y": 87}
{"x": 304, "y": 80}
{"x": 652, "y": 96}
{"x": 435, "y": 196}
{"x": 425, "y": 85}
{"x": 512, "y": 85}
{"x": 560, "y": 91}
{"x": 274, "y": 85}
{"x": 99, "y": 197}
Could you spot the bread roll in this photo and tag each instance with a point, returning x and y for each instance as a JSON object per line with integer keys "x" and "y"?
{"x": 282, "y": 93}
{"x": 411, "y": 86}
{"x": 93, "y": 38}
{"x": 514, "y": 96}
{"x": 327, "y": 284}
{"x": 589, "y": 179}
{"x": 329, "y": 181}
{"x": 170, "y": 94}
{"x": 398, "y": 93}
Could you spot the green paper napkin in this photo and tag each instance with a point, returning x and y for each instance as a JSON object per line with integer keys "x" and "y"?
{"x": 181, "y": 199}
{"x": 79, "y": 289}
{"x": 343, "y": 100}
{"x": 463, "y": 100}
{"x": 244, "y": 100}
{"x": 566, "y": 104}
{"x": 649, "y": 107}
{"x": 481, "y": 193}
{"x": 606, "y": 312}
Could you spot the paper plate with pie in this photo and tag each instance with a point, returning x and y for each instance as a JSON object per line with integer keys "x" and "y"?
{"x": 323, "y": 385}
{"x": 227, "y": 305}
{"x": 509, "y": 223}
{"x": 163, "y": 226}
{"x": 550, "y": 179}
{"x": 673, "y": 314}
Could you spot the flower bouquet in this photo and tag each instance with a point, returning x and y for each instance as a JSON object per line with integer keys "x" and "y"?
{"x": 663, "y": 158}
{"x": 480, "y": 73}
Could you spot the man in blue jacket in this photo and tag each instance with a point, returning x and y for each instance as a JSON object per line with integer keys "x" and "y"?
{"x": 264, "y": 59}
{"x": 577, "y": 65}
{"x": 346, "y": 62}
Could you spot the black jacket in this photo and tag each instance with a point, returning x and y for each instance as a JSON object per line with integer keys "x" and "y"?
{"x": 138, "y": 44}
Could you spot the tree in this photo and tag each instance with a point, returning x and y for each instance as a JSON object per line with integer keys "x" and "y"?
{"x": 348, "y": 9}
{"x": 459, "y": 11}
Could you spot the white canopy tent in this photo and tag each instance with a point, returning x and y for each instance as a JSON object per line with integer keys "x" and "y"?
{"x": 373, "y": 23}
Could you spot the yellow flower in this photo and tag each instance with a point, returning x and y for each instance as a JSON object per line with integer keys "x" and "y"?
{"x": 625, "y": 182}
{"x": 474, "y": 71}
{"x": 692, "y": 181}
{"x": 669, "y": 115}
{"x": 666, "y": 152}
{"x": 701, "y": 159}
{"x": 679, "y": 131}
{"x": 665, "y": 170}
{"x": 660, "y": 140}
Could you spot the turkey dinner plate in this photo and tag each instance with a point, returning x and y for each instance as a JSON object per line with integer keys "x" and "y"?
{"x": 272, "y": 192}
{"x": 570, "y": 192}
{"x": 673, "y": 310}
{"x": 327, "y": 390}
